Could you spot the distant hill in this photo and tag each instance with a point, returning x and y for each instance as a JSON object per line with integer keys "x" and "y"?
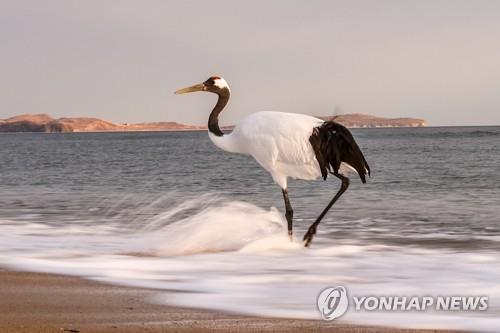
{"x": 45, "y": 123}
{"x": 359, "y": 120}
{"x": 33, "y": 123}
{"x": 82, "y": 124}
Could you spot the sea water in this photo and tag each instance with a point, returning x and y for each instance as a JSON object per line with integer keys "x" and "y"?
{"x": 172, "y": 212}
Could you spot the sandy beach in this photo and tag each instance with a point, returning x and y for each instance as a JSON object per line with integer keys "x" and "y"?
{"x": 34, "y": 302}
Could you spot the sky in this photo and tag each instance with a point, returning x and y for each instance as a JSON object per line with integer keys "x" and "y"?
{"x": 122, "y": 60}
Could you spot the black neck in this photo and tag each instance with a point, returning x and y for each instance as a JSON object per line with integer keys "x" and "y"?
{"x": 213, "y": 120}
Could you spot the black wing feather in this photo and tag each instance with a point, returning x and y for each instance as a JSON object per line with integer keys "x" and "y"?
{"x": 333, "y": 144}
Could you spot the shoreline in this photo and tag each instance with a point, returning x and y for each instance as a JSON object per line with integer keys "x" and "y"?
{"x": 229, "y": 129}
{"x": 44, "y": 302}
{"x": 43, "y": 122}
{"x": 206, "y": 129}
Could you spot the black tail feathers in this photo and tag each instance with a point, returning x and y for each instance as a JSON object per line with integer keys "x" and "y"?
{"x": 334, "y": 144}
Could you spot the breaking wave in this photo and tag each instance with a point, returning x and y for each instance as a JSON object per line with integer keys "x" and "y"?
{"x": 235, "y": 256}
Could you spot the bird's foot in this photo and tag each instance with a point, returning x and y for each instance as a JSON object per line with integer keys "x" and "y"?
{"x": 308, "y": 237}
{"x": 290, "y": 235}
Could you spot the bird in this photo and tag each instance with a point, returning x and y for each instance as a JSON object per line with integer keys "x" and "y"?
{"x": 287, "y": 145}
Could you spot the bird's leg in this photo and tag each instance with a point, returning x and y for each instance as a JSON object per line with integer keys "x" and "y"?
{"x": 312, "y": 229}
{"x": 288, "y": 213}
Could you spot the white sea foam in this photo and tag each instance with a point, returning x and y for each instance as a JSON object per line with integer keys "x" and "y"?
{"x": 236, "y": 257}
{"x": 220, "y": 228}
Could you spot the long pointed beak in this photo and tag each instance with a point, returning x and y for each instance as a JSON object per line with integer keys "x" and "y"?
{"x": 196, "y": 87}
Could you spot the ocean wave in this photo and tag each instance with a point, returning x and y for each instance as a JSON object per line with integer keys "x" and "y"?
{"x": 235, "y": 256}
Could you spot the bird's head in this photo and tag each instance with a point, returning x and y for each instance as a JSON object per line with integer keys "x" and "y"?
{"x": 214, "y": 84}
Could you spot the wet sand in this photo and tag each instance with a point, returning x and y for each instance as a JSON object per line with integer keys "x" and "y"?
{"x": 34, "y": 302}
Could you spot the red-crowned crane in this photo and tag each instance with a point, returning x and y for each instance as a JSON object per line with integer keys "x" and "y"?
{"x": 287, "y": 145}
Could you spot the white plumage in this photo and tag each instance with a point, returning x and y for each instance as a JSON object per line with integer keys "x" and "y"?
{"x": 278, "y": 141}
